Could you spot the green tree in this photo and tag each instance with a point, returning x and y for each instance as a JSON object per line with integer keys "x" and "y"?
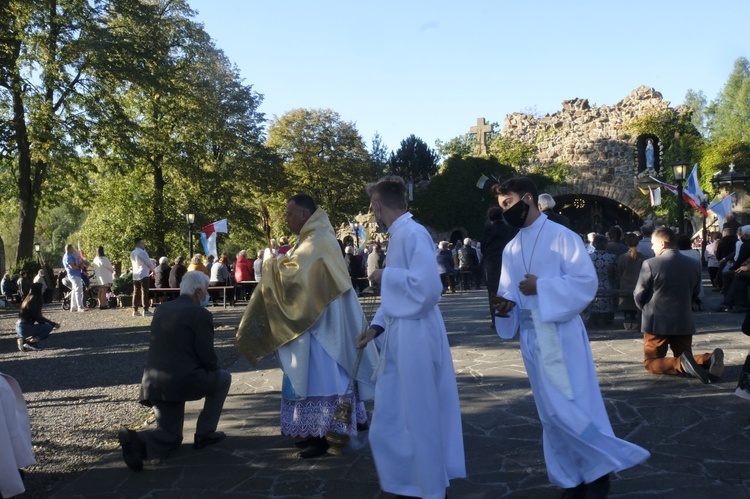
{"x": 730, "y": 112}
{"x": 44, "y": 56}
{"x": 180, "y": 132}
{"x": 378, "y": 157}
{"x": 698, "y": 105}
{"x": 452, "y": 198}
{"x": 509, "y": 151}
{"x": 414, "y": 160}
{"x": 463, "y": 145}
{"x": 324, "y": 156}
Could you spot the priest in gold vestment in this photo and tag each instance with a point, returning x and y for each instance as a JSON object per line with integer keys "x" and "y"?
{"x": 306, "y": 311}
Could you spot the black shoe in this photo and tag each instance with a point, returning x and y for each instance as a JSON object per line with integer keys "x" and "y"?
{"x": 304, "y": 444}
{"x": 318, "y": 447}
{"x": 598, "y": 489}
{"x": 723, "y": 308}
{"x": 716, "y": 368}
{"x": 578, "y": 492}
{"x": 692, "y": 368}
{"x": 201, "y": 441}
{"x": 133, "y": 450}
{"x": 363, "y": 426}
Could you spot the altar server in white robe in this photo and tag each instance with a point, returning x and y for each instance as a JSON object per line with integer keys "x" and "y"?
{"x": 415, "y": 434}
{"x": 15, "y": 437}
{"x": 547, "y": 279}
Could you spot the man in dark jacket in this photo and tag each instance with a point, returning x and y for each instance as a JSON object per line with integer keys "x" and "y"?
{"x": 666, "y": 287}
{"x": 496, "y": 235}
{"x": 176, "y": 272}
{"x": 725, "y": 253}
{"x": 468, "y": 264}
{"x": 182, "y": 365}
{"x": 545, "y": 205}
{"x": 161, "y": 273}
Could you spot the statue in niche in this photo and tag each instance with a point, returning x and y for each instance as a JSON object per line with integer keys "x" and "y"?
{"x": 650, "y": 156}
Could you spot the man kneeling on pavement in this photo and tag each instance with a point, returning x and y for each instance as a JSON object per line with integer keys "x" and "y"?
{"x": 666, "y": 287}
{"x": 182, "y": 365}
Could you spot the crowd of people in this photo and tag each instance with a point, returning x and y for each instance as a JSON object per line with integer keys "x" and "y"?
{"x": 541, "y": 277}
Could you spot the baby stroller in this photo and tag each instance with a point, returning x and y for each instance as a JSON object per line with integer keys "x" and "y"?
{"x": 90, "y": 299}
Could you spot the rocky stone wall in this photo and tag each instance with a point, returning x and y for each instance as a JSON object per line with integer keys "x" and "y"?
{"x": 594, "y": 141}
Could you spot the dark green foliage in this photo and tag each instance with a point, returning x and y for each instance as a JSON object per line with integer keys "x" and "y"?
{"x": 452, "y": 198}
{"x": 123, "y": 285}
{"x": 378, "y": 158}
{"x": 413, "y": 161}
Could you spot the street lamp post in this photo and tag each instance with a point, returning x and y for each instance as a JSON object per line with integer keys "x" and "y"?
{"x": 679, "y": 170}
{"x": 190, "y": 219}
{"x": 356, "y": 231}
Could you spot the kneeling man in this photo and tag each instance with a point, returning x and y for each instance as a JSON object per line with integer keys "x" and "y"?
{"x": 182, "y": 365}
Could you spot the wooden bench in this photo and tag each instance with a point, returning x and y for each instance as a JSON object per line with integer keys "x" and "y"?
{"x": 175, "y": 292}
{"x": 248, "y": 287}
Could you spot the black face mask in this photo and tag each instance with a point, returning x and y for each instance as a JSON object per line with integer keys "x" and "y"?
{"x": 515, "y": 216}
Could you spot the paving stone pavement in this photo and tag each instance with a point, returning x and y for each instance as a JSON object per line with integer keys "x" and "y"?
{"x": 697, "y": 434}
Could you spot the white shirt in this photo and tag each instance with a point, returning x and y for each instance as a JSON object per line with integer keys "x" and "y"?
{"x": 141, "y": 262}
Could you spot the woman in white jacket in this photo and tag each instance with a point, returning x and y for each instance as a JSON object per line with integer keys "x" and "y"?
{"x": 104, "y": 276}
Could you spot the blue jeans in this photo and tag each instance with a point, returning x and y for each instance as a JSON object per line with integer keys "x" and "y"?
{"x": 39, "y": 331}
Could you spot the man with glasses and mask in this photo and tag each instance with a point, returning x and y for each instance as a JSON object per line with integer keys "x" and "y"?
{"x": 546, "y": 281}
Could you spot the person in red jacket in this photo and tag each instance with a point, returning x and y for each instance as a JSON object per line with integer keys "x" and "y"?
{"x": 243, "y": 271}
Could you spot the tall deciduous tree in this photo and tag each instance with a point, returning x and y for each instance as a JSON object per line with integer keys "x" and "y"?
{"x": 730, "y": 112}
{"x": 698, "y": 105}
{"x": 324, "y": 156}
{"x": 43, "y": 59}
{"x": 414, "y": 160}
{"x": 174, "y": 122}
{"x": 463, "y": 145}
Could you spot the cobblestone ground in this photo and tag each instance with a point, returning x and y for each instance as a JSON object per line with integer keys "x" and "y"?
{"x": 697, "y": 434}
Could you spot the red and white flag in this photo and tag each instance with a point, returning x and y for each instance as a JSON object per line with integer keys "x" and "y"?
{"x": 689, "y": 198}
{"x": 208, "y": 236}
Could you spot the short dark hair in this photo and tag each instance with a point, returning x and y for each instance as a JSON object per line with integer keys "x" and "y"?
{"x": 684, "y": 242}
{"x": 518, "y": 185}
{"x": 666, "y": 234}
{"x": 138, "y": 240}
{"x": 391, "y": 191}
{"x": 614, "y": 233}
{"x": 304, "y": 201}
{"x": 100, "y": 251}
{"x": 599, "y": 242}
{"x": 494, "y": 214}
{"x": 647, "y": 230}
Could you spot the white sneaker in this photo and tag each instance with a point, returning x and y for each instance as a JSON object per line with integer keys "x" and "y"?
{"x": 147, "y": 313}
{"x": 136, "y": 314}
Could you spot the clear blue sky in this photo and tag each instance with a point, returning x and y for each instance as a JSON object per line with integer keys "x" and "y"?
{"x": 431, "y": 68}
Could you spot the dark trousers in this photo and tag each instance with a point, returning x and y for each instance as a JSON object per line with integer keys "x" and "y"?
{"x": 170, "y": 417}
{"x": 493, "y": 281}
{"x": 712, "y": 273}
{"x": 448, "y": 281}
{"x": 140, "y": 293}
{"x": 655, "y": 353}
{"x": 735, "y": 289}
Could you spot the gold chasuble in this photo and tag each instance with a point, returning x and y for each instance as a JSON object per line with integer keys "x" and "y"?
{"x": 294, "y": 290}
